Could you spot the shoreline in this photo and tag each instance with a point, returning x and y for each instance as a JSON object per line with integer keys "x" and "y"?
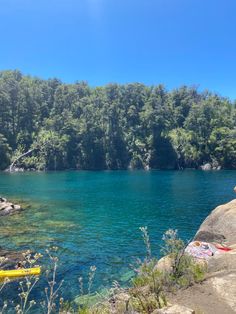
{"x": 116, "y": 170}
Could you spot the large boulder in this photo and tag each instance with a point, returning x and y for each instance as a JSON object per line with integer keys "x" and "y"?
{"x": 220, "y": 225}
{"x": 216, "y": 294}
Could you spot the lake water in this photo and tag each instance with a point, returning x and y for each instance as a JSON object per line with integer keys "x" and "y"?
{"x": 94, "y": 217}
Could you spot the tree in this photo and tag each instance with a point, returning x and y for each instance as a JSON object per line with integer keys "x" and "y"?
{"x": 5, "y": 153}
{"x": 113, "y": 126}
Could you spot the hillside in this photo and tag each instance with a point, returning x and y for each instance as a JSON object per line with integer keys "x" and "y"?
{"x": 75, "y": 126}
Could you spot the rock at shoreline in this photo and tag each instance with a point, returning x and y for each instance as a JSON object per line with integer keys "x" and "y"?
{"x": 216, "y": 294}
{"x": 206, "y": 167}
{"x": 210, "y": 166}
{"x": 8, "y": 208}
{"x": 220, "y": 225}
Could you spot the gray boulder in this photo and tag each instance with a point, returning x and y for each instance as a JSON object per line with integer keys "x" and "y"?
{"x": 206, "y": 167}
{"x": 220, "y": 225}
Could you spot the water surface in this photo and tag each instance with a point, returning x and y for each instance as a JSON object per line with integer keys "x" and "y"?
{"x": 94, "y": 217}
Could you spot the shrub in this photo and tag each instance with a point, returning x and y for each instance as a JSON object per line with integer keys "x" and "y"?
{"x": 184, "y": 269}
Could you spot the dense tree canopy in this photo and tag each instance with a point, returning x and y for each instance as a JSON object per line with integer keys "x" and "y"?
{"x": 74, "y": 126}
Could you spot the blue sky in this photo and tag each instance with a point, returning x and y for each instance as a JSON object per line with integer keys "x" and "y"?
{"x": 173, "y": 42}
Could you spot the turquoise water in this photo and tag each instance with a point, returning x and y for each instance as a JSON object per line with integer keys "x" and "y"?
{"x": 94, "y": 217}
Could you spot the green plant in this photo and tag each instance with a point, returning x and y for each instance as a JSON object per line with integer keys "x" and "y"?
{"x": 151, "y": 283}
{"x": 85, "y": 299}
{"x": 3, "y": 282}
{"x": 148, "y": 287}
{"x": 147, "y": 292}
{"x": 146, "y": 240}
{"x": 184, "y": 269}
{"x": 27, "y": 284}
{"x": 51, "y": 291}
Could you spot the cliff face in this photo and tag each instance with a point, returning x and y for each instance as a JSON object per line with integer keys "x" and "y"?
{"x": 217, "y": 294}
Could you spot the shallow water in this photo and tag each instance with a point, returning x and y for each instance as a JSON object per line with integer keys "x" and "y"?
{"x": 94, "y": 217}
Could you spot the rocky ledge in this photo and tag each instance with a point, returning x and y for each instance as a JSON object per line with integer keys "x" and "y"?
{"x": 8, "y": 208}
{"x": 217, "y": 293}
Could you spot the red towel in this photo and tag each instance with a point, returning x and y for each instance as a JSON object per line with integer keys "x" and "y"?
{"x": 222, "y": 248}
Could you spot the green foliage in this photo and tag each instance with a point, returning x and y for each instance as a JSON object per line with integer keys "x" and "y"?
{"x": 152, "y": 283}
{"x": 116, "y": 126}
{"x": 5, "y": 152}
{"x": 148, "y": 288}
{"x": 147, "y": 292}
{"x": 184, "y": 269}
{"x": 52, "y": 149}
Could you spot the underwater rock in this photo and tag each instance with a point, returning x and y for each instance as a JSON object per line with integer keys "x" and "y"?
{"x": 127, "y": 276}
{"x": 9, "y": 258}
{"x": 8, "y": 208}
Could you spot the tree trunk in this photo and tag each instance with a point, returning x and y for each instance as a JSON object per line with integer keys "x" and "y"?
{"x": 22, "y": 155}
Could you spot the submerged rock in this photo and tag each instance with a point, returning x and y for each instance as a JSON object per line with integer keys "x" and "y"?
{"x": 9, "y": 258}
{"x": 8, "y": 208}
{"x": 127, "y": 276}
{"x": 91, "y": 299}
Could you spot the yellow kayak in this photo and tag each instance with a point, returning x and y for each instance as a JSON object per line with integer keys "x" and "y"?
{"x": 20, "y": 272}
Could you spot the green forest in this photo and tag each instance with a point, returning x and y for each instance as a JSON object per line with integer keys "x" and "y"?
{"x": 132, "y": 126}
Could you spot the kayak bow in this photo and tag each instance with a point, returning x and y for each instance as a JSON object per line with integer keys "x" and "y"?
{"x": 20, "y": 272}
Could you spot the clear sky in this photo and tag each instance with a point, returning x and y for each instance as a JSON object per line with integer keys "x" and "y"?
{"x": 174, "y": 42}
